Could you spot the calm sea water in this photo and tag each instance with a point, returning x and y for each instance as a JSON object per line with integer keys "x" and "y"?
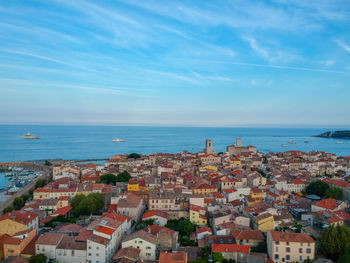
{"x": 84, "y": 142}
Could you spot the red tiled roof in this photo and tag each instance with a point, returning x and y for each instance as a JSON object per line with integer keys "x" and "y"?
{"x": 112, "y": 208}
{"x": 20, "y": 216}
{"x": 247, "y": 234}
{"x": 177, "y": 257}
{"x": 224, "y": 248}
{"x": 291, "y": 237}
{"x": 203, "y": 229}
{"x": 62, "y": 211}
{"x": 105, "y": 230}
{"x": 328, "y": 203}
{"x": 152, "y": 213}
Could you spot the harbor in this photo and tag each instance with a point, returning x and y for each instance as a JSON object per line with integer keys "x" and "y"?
{"x": 16, "y": 178}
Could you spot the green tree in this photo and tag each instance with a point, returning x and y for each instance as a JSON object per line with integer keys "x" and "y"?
{"x": 108, "y": 179}
{"x": 123, "y": 177}
{"x": 25, "y": 197}
{"x": 40, "y": 183}
{"x": 218, "y": 257}
{"x": 185, "y": 227}
{"x": 260, "y": 248}
{"x": 133, "y": 156}
{"x": 334, "y": 192}
{"x": 317, "y": 188}
{"x": 18, "y": 203}
{"x": 344, "y": 258}
{"x": 77, "y": 199}
{"x": 86, "y": 205}
{"x": 8, "y": 209}
{"x": 144, "y": 224}
{"x": 335, "y": 241}
{"x": 47, "y": 163}
{"x": 39, "y": 258}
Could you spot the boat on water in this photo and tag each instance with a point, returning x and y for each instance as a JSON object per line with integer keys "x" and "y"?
{"x": 118, "y": 140}
{"x": 339, "y": 142}
{"x": 306, "y": 141}
{"x": 30, "y": 136}
{"x": 284, "y": 145}
{"x": 292, "y": 142}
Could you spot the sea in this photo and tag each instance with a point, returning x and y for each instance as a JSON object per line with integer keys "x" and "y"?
{"x": 90, "y": 142}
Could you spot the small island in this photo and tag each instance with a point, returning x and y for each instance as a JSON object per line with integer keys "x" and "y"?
{"x": 335, "y": 134}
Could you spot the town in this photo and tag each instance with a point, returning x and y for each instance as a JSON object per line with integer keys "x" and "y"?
{"x": 235, "y": 206}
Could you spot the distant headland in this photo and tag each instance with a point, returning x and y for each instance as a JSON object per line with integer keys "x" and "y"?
{"x": 335, "y": 134}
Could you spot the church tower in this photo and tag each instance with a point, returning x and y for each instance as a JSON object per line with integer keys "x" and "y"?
{"x": 209, "y": 146}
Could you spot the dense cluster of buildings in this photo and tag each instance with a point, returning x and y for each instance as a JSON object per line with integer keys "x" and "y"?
{"x": 246, "y": 205}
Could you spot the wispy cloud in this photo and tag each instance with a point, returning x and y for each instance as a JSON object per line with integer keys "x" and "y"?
{"x": 255, "y": 46}
{"x": 33, "y": 55}
{"x": 111, "y": 90}
{"x": 343, "y": 45}
{"x": 175, "y": 76}
{"x": 280, "y": 67}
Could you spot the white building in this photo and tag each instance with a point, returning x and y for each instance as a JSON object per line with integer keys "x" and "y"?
{"x": 71, "y": 251}
{"x": 144, "y": 241}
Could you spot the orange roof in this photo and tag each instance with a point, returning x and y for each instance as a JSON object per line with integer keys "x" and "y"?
{"x": 177, "y": 257}
{"x": 291, "y": 237}
{"x": 105, "y": 230}
{"x": 152, "y": 213}
{"x": 20, "y": 216}
{"x": 62, "y": 211}
{"x": 203, "y": 229}
{"x": 329, "y": 203}
{"x": 230, "y": 248}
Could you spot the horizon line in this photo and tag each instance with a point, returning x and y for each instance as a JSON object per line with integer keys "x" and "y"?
{"x": 267, "y": 126}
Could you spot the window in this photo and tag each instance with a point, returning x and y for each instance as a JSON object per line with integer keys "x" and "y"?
{"x": 308, "y": 244}
{"x": 97, "y": 248}
{"x": 276, "y": 249}
{"x": 148, "y": 247}
{"x": 287, "y": 249}
{"x": 277, "y": 242}
{"x": 89, "y": 254}
{"x": 308, "y": 250}
{"x": 301, "y": 244}
{"x": 301, "y": 258}
{"x": 287, "y": 257}
{"x": 97, "y": 254}
{"x": 300, "y": 250}
{"x": 287, "y": 243}
{"x": 277, "y": 256}
{"x": 148, "y": 254}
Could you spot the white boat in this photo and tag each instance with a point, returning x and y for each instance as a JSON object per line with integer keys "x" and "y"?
{"x": 30, "y": 136}
{"x": 118, "y": 140}
{"x": 339, "y": 142}
{"x": 292, "y": 142}
{"x": 284, "y": 145}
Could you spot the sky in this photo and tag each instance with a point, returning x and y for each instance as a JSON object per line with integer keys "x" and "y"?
{"x": 179, "y": 63}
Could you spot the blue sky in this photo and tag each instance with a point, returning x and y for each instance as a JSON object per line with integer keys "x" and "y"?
{"x": 195, "y": 63}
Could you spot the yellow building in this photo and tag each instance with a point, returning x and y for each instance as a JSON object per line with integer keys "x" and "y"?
{"x": 16, "y": 221}
{"x": 264, "y": 222}
{"x": 133, "y": 187}
{"x": 235, "y": 162}
{"x": 13, "y": 246}
{"x": 197, "y": 215}
{"x": 204, "y": 189}
{"x": 255, "y": 197}
{"x": 208, "y": 167}
{"x": 252, "y": 201}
